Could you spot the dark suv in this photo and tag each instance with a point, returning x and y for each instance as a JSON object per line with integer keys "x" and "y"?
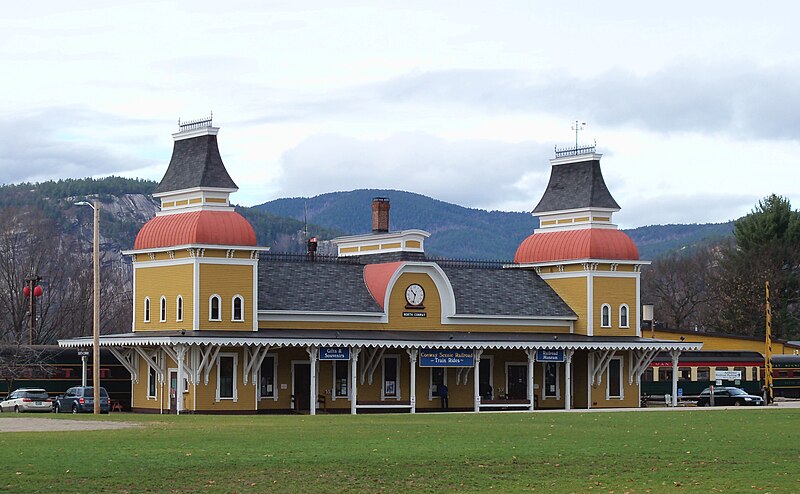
{"x": 81, "y": 399}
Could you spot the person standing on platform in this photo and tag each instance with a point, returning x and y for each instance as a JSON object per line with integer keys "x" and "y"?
{"x": 443, "y": 395}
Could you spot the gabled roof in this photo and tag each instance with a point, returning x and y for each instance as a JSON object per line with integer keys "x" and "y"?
{"x": 195, "y": 163}
{"x": 576, "y": 185}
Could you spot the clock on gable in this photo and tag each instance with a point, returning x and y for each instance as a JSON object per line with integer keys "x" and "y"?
{"x": 415, "y": 295}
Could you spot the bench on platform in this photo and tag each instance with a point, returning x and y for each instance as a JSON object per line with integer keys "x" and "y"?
{"x": 510, "y": 403}
{"x": 383, "y": 404}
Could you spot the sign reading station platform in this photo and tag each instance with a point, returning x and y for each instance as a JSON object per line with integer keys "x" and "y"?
{"x": 446, "y": 358}
{"x": 334, "y": 353}
{"x": 549, "y": 355}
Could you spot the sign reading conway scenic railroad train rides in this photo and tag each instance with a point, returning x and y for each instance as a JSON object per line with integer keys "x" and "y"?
{"x": 334, "y": 353}
{"x": 549, "y": 355}
{"x": 446, "y": 358}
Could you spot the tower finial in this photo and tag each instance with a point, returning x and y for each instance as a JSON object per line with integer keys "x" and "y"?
{"x": 578, "y": 126}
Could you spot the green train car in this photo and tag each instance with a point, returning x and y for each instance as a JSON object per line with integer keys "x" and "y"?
{"x": 786, "y": 376}
{"x": 698, "y": 370}
{"x": 58, "y": 369}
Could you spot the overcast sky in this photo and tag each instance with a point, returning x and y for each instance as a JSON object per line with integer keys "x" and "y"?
{"x": 695, "y": 106}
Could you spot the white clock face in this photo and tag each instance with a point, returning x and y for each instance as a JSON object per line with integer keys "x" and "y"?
{"x": 415, "y": 294}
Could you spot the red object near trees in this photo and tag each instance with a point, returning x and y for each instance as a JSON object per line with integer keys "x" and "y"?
{"x": 37, "y": 291}
{"x": 26, "y": 291}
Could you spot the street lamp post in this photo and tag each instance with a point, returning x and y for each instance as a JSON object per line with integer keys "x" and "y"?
{"x": 96, "y": 318}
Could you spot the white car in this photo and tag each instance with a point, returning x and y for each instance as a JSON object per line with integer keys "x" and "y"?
{"x": 27, "y": 400}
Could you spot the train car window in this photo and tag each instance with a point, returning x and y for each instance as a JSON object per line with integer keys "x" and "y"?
{"x": 665, "y": 374}
{"x": 703, "y": 373}
{"x": 648, "y": 375}
{"x": 685, "y": 373}
{"x": 755, "y": 374}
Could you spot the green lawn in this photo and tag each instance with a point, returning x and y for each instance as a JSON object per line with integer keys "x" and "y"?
{"x": 659, "y": 451}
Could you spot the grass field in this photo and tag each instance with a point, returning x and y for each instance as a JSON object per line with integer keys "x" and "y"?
{"x": 658, "y": 451}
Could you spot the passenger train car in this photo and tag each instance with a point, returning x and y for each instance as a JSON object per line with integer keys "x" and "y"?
{"x": 59, "y": 369}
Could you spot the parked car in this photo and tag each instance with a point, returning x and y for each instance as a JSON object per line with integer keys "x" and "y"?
{"x": 726, "y": 395}
{"x": 81, "y": 399}
{"x": 27, "y": 400}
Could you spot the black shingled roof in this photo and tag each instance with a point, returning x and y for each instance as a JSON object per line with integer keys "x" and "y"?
{"x": 195, "y": 162}
{"x": 574, "y": 186}
{"x": 340, "y": 287}
{"x": 506, "y": 292}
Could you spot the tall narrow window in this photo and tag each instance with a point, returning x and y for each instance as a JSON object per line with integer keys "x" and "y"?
{"x": 605, "y": 316}
{"x": 438, "y": 378}
{"x": 152, "y": 387}
{"x": 614, "y": 386}
{"x": 341, "y": 374}
{"x": 551, "y": 384}
{"x": 179, "y": 308}
{"x": 147, "y": 309}
{"x": 238, "y": 308}
{"x": 391, "y": 387}
{"x": 226, "y": 377}
{"x": 162, "y": 309}
{"x": 268, "y": 377}
{"x": 214, "y": 304}
{"x": 623, "y": 316}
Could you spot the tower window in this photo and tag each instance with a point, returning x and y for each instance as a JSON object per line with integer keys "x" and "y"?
{"x": 605, "y": 316}
{"x": 147, "y": 309}
{"x": 179, "y": 307}
{"x": 623, "y": 316}
{"x": 162, "y": 305}
{"x": 238, "y": 308}
{"x": 214, "y": 311}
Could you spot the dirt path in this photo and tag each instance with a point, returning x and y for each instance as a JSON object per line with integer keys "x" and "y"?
{"x": 42, "y": 424}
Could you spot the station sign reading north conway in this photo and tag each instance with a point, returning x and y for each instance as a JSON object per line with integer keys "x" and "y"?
{"x": 446, "y": 358}
{"x": 334, "y": 353}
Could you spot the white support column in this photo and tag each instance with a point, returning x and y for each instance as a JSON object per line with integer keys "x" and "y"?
{"x": 476, "y": 382}
{"x": 353, "y": 378}
{"x": 412, "y": 360}
{"x": 675, "y": 354}
{"x": 531, "y": 359}
{"x": 312, "y": 353}
{"x": 180, "y": 352}
{"x": 568, "y": 379}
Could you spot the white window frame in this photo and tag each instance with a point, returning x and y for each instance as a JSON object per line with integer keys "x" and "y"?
{"x": 233, "y": 308}
{"x": 235, "y": 396}
{"x": 624, "y": 307}
{"x": 154, "y": 375}
{"x": 397, "y": 394}
{"x": 147, "y": 309}
{"x": 162, "y": 309}
{"x": 334, "y": 396}
{"x": 179, "y": 308}
{"x": 621, "y": 380}
{"x": 211, "y": 310}
{"x": 605, "y": 307}
{"x": 431, "y": 396}
{"x": 275, "y": 387}
{"x": 558, "y": 381}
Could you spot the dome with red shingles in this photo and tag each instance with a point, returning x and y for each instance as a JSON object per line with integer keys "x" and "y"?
{"x": 587, "y": 243}
{"x": 196, "y": 227}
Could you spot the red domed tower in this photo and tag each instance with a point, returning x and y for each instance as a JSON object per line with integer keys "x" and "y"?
{"x": 579, "y": 251}
{"x": 195, "y": 263}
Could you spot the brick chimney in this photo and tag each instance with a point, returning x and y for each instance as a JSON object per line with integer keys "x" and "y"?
{"x": 380, "y": 215}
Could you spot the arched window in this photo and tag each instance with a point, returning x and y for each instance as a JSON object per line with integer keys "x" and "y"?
{"x": 214, "y": 308}
{"x": 147, "y": 309}
{"x": 605, "y": 316}
{"x": 162, "y": 306}
{"x": 179, "y": 308}
{"x": 238, "y": 308}
{"x": 623, "y": 316}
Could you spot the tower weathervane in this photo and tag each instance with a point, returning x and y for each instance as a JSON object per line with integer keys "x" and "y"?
{"x": 578, "y": 126}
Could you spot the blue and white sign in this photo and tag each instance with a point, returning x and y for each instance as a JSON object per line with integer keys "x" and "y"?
{"x": 549, "y": 355}
{"x": 334, "y": 353}
{"x": 446, "y": 358}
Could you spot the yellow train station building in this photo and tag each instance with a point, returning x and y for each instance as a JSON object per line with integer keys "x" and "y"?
{"x": 221, "y": 325}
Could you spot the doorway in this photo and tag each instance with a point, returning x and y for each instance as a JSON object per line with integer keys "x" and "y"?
{"x": 517, "y": 386}
{"x": 301, "y": 385}
{"x": 173, "y": 391}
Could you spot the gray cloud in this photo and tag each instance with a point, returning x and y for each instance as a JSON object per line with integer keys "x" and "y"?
{"x": 51, "y": 144}
{"x": 475, "y": 173}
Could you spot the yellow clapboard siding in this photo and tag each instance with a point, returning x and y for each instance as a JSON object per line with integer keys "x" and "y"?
{"x": 167, "y": 281}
